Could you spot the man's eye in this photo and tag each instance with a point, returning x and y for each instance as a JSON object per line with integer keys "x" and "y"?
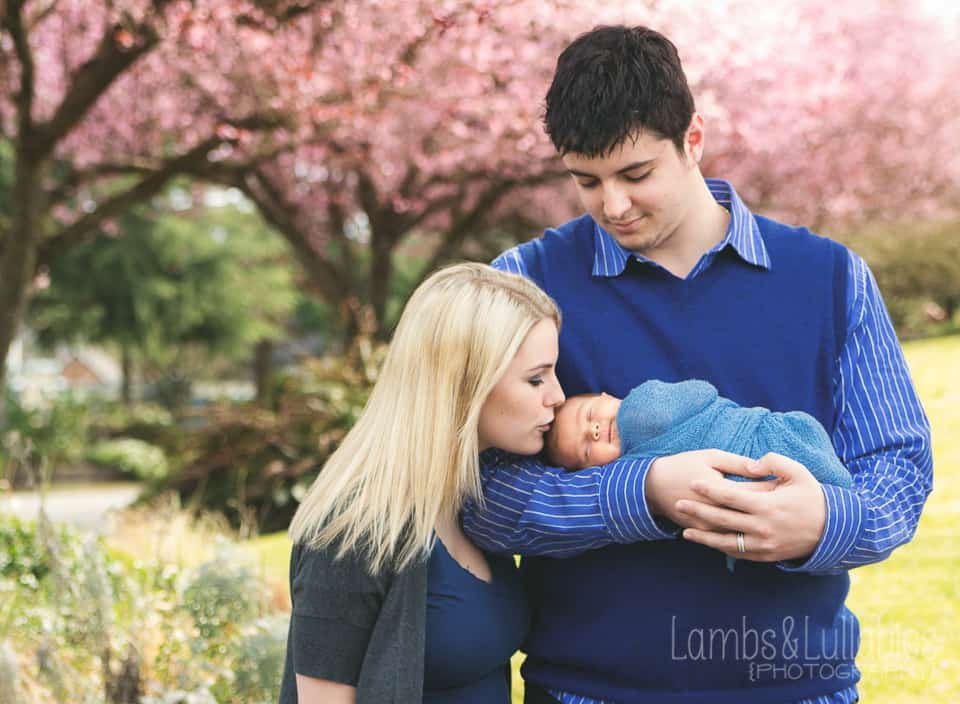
{"x": 637, "y": 179}
{"x": 587, "y": 184}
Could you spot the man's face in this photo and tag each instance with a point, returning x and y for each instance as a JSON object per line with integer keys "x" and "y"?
{"x": 640, "y": 192}
{"x": 584, "y": 433}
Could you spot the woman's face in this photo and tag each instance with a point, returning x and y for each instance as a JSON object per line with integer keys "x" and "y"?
{"x": 519, "y": 409}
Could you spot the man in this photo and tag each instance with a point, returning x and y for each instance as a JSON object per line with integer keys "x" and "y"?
{"x": 669, "y": 276}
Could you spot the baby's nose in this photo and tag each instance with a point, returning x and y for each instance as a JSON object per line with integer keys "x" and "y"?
{"x": 596, "y": 431}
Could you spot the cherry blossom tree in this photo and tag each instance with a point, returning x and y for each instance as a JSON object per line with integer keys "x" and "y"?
{"x": 356, "y": 126}
{"x": 334, "y": 117}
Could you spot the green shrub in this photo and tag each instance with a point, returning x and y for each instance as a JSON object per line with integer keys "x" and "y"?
{"x": 54, "y": 432}
{"x": 81, "y": 610}
{"x": 915, "y": 264}
{"x": 222, "y": 594}
{"x": 253, "y": 464}
{"x": 135, "y": 457}
{"x": 26, "y": 559}
{"x": 258, "y": 658}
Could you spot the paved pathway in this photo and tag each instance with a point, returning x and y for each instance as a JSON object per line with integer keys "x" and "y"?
{"x": 84, "y": 507}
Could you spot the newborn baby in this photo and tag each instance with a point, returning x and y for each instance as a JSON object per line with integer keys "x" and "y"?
{"x": 657, "y": 419}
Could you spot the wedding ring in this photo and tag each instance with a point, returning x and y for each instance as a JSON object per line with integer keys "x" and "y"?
{"x": 740, "y": 546}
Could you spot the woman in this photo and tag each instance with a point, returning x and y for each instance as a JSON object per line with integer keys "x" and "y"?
{"x": 391, "y": 601}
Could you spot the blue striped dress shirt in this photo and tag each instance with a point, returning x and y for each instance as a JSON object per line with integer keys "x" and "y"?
{"x": 883, "y": 438}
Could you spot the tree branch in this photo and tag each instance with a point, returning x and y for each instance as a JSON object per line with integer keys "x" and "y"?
{"x": 13, "y": 21}
{"x": 467, "y": 223}
{"x": 276, "y": 210}
{"x": 42, "y": 14}
{"x": 338, "y": 224}
{"x": 75, "y": 178}
{"x": 92, "y": 79}
{"x": 149, "y": 186}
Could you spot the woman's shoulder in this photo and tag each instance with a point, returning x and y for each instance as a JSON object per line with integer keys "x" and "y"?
{"x": 330, "y": 566}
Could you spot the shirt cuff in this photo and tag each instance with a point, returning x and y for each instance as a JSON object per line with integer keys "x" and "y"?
{"x": 623, "y": 503}
{"x": 844, "y": 523}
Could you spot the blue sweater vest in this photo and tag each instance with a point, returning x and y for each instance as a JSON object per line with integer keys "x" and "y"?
{"x": 665, "y": 621}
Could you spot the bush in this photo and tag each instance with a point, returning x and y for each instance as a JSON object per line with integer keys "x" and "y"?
{"x": 915, "y": 264}
{"x": 222, "y": 594}
{"x": 54, "y": 432}
{"x": 83, "y": 622}
{"x": 258, "y": 658}
{"x": 253, "y": 464}
{"x": 135, "y": 457}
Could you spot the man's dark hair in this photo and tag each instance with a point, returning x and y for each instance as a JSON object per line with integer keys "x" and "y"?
{"x": 612, "y": 82}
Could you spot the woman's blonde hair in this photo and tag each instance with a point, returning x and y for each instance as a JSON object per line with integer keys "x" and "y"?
{"x": 412, "y": 456}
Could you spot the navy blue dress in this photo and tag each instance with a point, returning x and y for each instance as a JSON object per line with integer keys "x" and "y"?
{"x": 473, "y": 627}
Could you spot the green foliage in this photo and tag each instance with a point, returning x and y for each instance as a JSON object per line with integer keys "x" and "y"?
{"x": 23, "y": 557}
{"x": 173, "y": 293}
{"x": 6, "y": 184}
{"x": 199, "y": 635}
{"x": 52, "y": 433}
{"x": 135, "y": 457}
{"x": 221, "y": 594}
{"x": 258, "y": 658}
{"x": 915, "y": 264}
{"x": 253, "y": 464}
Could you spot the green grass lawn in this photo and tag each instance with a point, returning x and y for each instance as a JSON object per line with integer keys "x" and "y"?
{"x": 908, "y": 605}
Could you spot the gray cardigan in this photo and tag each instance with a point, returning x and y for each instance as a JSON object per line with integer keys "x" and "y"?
{"x": 348, "y": 626}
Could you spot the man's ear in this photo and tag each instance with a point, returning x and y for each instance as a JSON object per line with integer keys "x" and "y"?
{"x": 694, "y": 138}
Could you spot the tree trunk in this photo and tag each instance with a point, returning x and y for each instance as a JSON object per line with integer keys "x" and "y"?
{"x": 263, "y": 370}
{"x": 950, "y": 307}
{"x": 19, "y": 253}
{"x": 381, "y": 272}
{"x": 126, "y": 383}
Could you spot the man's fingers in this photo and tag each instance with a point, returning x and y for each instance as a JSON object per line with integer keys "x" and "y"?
{"x": 716, "y": 517}
{"x": 780, "y": 466}
{"x": 725, "y": 543}
{"x": 759, "y": 486}
{"x": 729, "y": 463}
{"x": 735, "y": 495}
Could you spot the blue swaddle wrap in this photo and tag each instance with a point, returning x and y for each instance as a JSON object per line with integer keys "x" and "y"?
{"x": 659, "y": 418}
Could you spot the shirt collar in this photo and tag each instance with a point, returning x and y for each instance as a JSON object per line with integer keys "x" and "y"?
{"x": 743, "y": 234}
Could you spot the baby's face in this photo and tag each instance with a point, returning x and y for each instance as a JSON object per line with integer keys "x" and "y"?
{"x": 584, "y": 432}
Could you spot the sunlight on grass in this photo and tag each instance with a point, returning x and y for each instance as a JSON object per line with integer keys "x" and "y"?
{"x": 909, "y": 605}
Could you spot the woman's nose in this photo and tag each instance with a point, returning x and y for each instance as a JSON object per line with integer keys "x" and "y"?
{"x": 557, "y": 396}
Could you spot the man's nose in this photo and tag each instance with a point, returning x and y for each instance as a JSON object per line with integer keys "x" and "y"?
{"x": 616, "y": 203}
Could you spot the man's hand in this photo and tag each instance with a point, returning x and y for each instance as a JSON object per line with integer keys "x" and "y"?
{"x": 669, "y": 481}
{"x": 784, "y": 523}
